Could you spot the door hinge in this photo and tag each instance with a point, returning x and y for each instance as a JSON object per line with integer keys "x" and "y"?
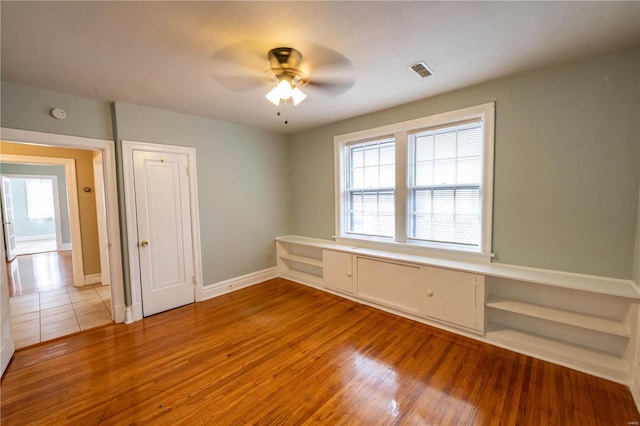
{"x": 193, "y": 279}
{"x": 187, "y": 170}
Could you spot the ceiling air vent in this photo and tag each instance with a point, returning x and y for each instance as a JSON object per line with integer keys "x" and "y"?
{"x": 421, "y": 69}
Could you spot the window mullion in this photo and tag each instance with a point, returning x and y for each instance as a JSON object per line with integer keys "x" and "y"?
{"x": 401, "y": 193}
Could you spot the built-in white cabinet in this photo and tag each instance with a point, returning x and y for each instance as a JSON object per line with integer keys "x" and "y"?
{"x": 394, "y": 284}
{"x": 586, "y": 322}
{"x": 338, "y": 270}
{"x": 455, "y": 297}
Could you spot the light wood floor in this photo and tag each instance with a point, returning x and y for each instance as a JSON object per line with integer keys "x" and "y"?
{"x": 33, "y": 273}
{"x": 282, "y": 353}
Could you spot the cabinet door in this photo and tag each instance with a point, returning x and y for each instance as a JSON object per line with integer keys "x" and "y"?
{"x": 455, "y": 297}
{"x": 338, "y": 270}
{"x": 398, "y": 285}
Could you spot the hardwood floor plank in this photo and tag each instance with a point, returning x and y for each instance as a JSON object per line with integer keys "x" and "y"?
{"x": 282, "y": 353}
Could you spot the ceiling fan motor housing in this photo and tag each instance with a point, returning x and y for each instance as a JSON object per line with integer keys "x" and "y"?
{"x": 285, "y": 62}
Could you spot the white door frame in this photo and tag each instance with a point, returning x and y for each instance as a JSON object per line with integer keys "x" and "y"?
{"x": 128, "y": 147}
{"x": 56, "y": 200}
{"x": 107, "y": 147}
{"x": 72, "y": 199}
{"x": 101, "y": 214}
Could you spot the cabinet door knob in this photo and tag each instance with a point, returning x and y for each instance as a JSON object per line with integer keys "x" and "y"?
{"x": 429, "y": 293}
{"x": 348, "y": 274}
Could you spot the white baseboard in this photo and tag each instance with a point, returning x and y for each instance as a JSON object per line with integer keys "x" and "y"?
{"x": 135, "y": 314}
{"x": 237, "y": 283}
{"x": 120, "y": 313}
{"x": 35, "y": 237}
{"x": 65, "y": 246}
{"x": 92, "y": 279}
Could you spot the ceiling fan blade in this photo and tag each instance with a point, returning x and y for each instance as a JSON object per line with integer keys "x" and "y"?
{"x": 320, "y": 58}
{"x": 239, "y": 83}
{"x": 248, "y": 54}
{"x": 331, "y": 87}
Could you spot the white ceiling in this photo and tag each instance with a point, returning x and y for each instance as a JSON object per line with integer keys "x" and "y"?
{"x": 164, "y": 54}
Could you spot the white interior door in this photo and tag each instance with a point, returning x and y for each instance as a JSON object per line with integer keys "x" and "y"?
{"x": 164, "y": 230}
{"x": 7, "y": 347}
{"x": 7, "y": 218}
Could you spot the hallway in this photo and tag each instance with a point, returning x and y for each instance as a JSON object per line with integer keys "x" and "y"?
{"x": 45, "y": 304}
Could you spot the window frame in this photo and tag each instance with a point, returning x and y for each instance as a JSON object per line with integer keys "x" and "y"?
{"x": 350, "y": 190}
{"x": 400, "y": 132}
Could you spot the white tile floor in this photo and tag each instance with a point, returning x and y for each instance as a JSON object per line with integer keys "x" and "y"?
{"x": 44, "y": 316}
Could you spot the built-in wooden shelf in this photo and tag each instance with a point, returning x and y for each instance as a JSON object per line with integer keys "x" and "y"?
{"x": 574, "y": 356}
{"x": 590, "y": 322}
{"x": 302, "y": 259}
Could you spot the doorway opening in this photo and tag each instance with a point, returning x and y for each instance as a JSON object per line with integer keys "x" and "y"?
{"x": 56, "y": 292}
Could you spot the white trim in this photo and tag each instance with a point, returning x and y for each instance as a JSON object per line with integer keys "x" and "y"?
{"x": 233, "y": 284}
{"x": 92, "y": 279}
{"x": 72, "y": 200}
{"x": 128, "y": 147}
{"x": 136, "y": 312}
{"x": 35, "y": 238}
{"x": 101, "y": 211}
{"x": 65, "y": 247}
{"x": 109, "y": 174}
{"x": 400, "y": 131}
{"x": 128, "y": 312}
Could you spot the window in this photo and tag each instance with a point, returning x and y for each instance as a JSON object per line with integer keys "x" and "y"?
{"x": 370, "y": 188}
{"x": 445, "y": 182}
{"x": 424, "y": 183}
{"x": 39, "y": 199}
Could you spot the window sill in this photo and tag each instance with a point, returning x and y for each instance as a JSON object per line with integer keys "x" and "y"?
{"x": 415, "y": 249}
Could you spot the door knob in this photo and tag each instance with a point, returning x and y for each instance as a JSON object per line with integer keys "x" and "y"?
{"x": 144, "y": 243}
{"x": 429, "y": 293}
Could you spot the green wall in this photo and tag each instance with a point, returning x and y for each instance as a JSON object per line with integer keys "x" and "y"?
{"x": 242, "y": 185}
{"x": 242, "y": 171}
{"x": 566, "y": 164}
{"x": 29, "y": 108}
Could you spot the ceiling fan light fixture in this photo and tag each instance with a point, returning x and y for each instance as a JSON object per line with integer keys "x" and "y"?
{"x": 297, "y": 95}
{"x": 273, "y": 96}
{"x": 284, "y": 89}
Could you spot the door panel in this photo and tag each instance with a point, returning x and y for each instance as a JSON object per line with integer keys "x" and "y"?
{"x": 338, "y": 270}
{"x": 393, "y": 284}
{"x": 7, "y": 218}
{"x": 456, "y": 297}
{"x": 164, "y": 230}
{"x": 7, "y": 347}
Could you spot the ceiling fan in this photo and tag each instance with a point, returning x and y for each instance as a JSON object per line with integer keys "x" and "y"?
{"x": 285, "y": 66}
{"x": 241, "y": 66}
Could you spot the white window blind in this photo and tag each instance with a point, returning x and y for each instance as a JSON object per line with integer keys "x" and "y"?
{"x": 370, "y": 187}
{"x": 445, "y": 184}
{"x": 39, "y": 199}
